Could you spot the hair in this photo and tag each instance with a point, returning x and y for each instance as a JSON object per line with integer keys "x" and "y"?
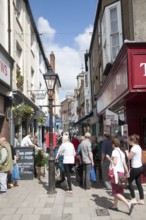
{"x": 116, "y": 142}
{"x": 65, "y": 138}
{"x": 107, "y": 135}
{"x": 134, "y": 138}
{"x": 87, "y": 135}
{"x": 82, "y": 138}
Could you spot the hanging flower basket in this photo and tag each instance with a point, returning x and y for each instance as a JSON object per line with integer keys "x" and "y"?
{"x": 41, "y": 120}
{"x": 22, "y": 112}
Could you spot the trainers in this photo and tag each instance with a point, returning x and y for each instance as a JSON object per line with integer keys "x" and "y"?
{"x": 69, "y": 191}
{"x": 133, "y": 201}
{"x": 140, "y": 202}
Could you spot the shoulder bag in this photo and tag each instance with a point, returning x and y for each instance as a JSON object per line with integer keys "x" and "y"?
{"x": 122, "y": 180}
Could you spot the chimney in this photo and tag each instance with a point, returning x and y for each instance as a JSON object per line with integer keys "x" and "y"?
{"x": 52, "y": 61}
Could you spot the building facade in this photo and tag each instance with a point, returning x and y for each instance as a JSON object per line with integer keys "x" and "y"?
{"x": 21, "y": 40}
{"x": 118, "y": 67}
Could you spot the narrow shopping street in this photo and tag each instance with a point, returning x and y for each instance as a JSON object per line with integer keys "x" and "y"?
{"x": 30, "y": 201}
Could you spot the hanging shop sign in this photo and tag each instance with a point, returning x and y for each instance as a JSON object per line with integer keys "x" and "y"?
{"x": 5, "y": 68}
{"x": 40, "y": 95}
{"x": 137, "y": 69}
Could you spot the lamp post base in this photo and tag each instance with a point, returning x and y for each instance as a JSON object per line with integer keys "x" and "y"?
{"x": 51, "y": 176}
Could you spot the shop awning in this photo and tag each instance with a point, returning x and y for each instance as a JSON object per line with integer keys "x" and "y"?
{"x": 83, "y": 119}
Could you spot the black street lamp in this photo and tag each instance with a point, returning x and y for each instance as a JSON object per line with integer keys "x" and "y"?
{"x": 51, "y": 80}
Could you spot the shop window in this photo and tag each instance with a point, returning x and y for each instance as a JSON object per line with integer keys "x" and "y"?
{"x": 111, "y": 32}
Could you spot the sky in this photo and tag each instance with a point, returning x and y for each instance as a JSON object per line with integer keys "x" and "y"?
{"x": 66, "y": 28}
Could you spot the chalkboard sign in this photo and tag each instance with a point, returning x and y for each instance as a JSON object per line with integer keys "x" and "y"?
{"x": 26, "y": 162}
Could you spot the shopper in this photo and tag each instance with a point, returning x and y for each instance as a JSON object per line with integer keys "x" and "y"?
{"x": 106, "y": 149}
{"x": 87, "y": 158}
{"x": 6, "y": 163}
{"x": 135, "y": 155}
{"x": 118, "y": 160}
{"x": 67, "y": 150}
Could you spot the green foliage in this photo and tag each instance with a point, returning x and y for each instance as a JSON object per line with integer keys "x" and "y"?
{"x": 41, "y": 120}
{"x": 40, "y": 159}
{"x": 22, "y": 111}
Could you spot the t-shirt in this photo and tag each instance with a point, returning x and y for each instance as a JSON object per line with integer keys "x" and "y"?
{"x": 26, "y": 142}
{"x": 120, "y": 159}
{"x": 106, "y": 147}
{"x": 67, "y": 150}
{"x": 136, "y": 161}
{"x": 85, "y": 149}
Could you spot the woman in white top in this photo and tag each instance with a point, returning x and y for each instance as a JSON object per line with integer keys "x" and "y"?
{"x": 120, "y": 167}
{"x": 67, "y": 150}
{"x": 135, "y": 156}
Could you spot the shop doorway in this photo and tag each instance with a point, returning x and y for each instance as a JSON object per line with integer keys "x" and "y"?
{"x": 143, "y": 136}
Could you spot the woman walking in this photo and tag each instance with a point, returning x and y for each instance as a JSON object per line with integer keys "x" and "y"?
{"x": 118, "y": 160}
{"x": 67, "y": 150}
{"x": 135, "y": 155}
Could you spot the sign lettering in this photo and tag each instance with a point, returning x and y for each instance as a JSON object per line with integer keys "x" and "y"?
{"x": 143, "y": 64}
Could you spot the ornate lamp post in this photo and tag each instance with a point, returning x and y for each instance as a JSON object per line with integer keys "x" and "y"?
{"x": 51, "y": 80}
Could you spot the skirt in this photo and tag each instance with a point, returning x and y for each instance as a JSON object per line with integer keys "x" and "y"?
{"x": 116, "y": 189}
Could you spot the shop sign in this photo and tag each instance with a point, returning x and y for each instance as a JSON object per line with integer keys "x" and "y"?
{"x": 138, "y": 71}
{"x": 4, "y": 69}
{"x": 115, "y": 88}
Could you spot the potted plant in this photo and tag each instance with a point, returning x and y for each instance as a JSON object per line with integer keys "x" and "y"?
{"x": 40, "y": 162}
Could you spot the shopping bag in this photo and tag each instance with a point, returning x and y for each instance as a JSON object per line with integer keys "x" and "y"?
{"x": 93, "y": 175}
{"x": 111, "y": 174}
{"x": 15, "y": 173}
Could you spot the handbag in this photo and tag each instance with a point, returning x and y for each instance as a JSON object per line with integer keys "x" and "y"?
{"x": 122, "y": 180}
{"x": 93, "y": 175}
{"x": 111, "y": 175}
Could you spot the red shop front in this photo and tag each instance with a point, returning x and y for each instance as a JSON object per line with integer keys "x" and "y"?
{"x": 125, "y": 90}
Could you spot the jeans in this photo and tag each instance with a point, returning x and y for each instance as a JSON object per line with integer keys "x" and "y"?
{"x": 86, "y": 175}
{"x": 68, "y": 168}
{"x": 135, "y": 174}
{"x": 3, "y": 182}
{"x": 105, "y": 168}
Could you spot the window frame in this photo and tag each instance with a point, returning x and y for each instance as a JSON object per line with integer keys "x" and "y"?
{"x": 106, "y": 36}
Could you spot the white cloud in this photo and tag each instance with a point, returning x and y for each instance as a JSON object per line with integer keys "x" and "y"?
{"x": 45, "y": 28}
{"x": 83, "y": 40}
{"x": 68, "y": 59}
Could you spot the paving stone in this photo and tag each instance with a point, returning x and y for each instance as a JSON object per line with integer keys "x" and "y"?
{"x": 48, "y": 205}
{"x": 30, "y": 217}
{"x": 7, "y": 211}
{"x": 44, "y": 217}
{"x": 24, "y": 210}
{"x": 42, "y": 211}
{"x": 69, "y": 204}
{"x": 11, "y": 217}
{"x": 66, "y": 217}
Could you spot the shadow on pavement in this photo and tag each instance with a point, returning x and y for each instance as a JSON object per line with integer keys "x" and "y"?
{"x": 104, "y": 202}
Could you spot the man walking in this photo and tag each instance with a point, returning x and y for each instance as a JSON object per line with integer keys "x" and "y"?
{"x": 106, "y": 149}
{"x": 87, "y": 158}
{"x": 6, "y": 163}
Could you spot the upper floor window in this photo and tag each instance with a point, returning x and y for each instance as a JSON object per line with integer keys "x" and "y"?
{"x": 19, "y": 55}
{"x": 111, "y": 32}
{"x": 86, "y": 80}
{"x": 18, "y": 8}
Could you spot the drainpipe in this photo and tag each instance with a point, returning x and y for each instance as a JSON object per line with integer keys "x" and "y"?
{"x": 11, "y": 121}
{"x": 9, "y": 28}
